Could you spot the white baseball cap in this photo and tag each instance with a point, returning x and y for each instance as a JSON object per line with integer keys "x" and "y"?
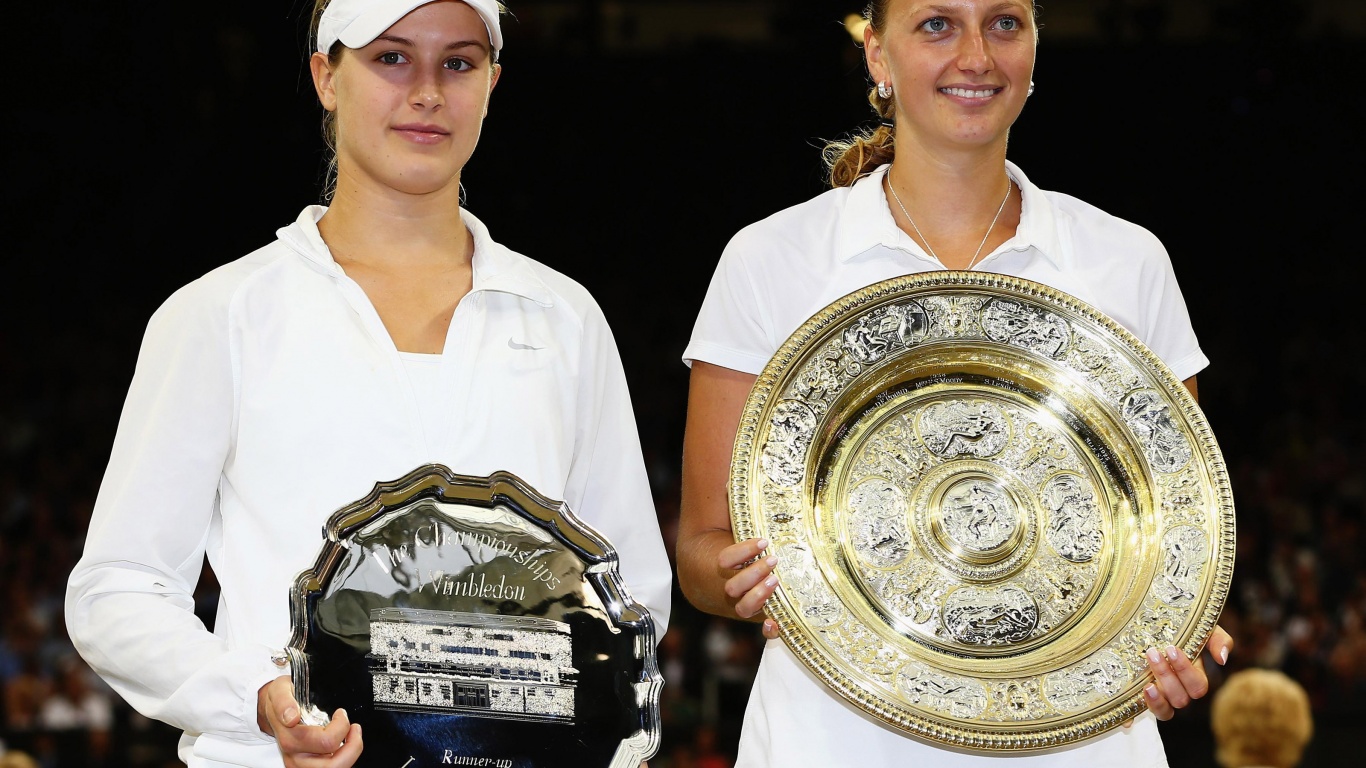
{"x": 356, "y": 23}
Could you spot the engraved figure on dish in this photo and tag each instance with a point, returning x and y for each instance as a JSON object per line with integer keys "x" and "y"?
{"x": 1081, "y": 685}
{"x": 912, "y": 323}
{"x": 821, "y": 379}
{"x": 990, "y": 616}
{"x": 878, "y": 520}
{"x": 1032, "y": 328}
{"x": 952, "y": 316}
{"x": 892, "y": 450}
{"x": 1018, "y": 700}
{"x": 978, "y": 515}
{"x": 1074, "y": 521}
{"x": 865, "y": 343}
{"x": 963, "y": 427}
{"x": 956, "y": 696}
{"x": 1150, "y": 417}
{"x": 789, "y": 434}
{"x": 913, "y": 593}
{"x": 1183, "y": 565}
{"x": 1046, "y": 444}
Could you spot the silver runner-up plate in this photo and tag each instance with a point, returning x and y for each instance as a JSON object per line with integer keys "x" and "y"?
{"x": 471, "y": 621}
{"x": 987, "y": 500}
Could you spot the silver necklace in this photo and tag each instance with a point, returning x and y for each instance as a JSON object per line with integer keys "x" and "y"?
{"x": 930, "y": 248}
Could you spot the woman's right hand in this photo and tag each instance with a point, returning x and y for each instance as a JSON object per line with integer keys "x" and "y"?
{"x": 335, "y": 745}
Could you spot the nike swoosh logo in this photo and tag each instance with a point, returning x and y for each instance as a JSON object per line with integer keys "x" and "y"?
{"x": 518, "y": 345}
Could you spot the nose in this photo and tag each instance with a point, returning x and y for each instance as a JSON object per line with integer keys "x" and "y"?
{"x": 426, "y": 91}
{"x": 974, "y": 53}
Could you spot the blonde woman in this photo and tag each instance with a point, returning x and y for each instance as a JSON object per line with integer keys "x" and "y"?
{"x": 1261, "y": 719}
{"x": 380, "y": 333}
{"x": 930, "y": 189}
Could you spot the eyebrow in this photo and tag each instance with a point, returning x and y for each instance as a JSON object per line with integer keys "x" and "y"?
{"x": 395, "y": 39}
{"x": 947, "y": 9}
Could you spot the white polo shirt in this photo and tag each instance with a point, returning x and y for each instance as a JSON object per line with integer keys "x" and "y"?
{"x": 777, "y": 273}
{"x": 267, "y": 395}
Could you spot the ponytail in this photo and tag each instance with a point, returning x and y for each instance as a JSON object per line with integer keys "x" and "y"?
{"x": 849, "y": 160}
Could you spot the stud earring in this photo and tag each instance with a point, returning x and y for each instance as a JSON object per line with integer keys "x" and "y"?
{"x": 1031, "y": 88}
{"x": 884, "y": 89}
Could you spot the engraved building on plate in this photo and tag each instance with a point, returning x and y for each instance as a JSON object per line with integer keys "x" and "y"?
{"x": 517, "y": 667}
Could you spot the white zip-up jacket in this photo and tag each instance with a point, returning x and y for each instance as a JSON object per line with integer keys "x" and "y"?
{"x": 267, "y": 395}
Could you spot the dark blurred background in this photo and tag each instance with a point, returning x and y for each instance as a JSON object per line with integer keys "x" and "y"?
{"x": 147, "y": 143}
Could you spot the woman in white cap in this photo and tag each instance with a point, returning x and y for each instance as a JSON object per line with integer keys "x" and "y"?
{"x": 376, "y": 335}
{"x": 929, "y": 189}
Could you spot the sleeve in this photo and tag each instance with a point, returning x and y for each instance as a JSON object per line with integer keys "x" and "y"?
{"x": 607, "y": 481}
{"x": 1166, "y": 322}
{"x": 731, "y": 327}
{"x": 129, "y": 601}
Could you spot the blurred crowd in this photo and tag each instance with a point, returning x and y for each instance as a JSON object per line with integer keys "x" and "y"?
{"x": 1295, "y": 456}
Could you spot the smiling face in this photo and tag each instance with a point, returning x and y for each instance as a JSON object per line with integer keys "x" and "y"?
{"x": 959, "y": 69}
{"x": 409, "y": 106}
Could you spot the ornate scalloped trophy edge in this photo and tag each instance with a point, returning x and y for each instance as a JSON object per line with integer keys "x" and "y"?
{"x": 788, "y": 359}
{"x": 440, "y": 483}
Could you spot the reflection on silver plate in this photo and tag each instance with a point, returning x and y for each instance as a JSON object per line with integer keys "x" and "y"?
{"x": 987, "y": 499}
{"x": 470, "y": 621}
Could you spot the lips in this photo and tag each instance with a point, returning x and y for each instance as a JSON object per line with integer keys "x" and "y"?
{"x": 422, "y": 133}
{"x": 970, "y": 93}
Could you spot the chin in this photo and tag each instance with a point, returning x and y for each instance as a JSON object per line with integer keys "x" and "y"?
{"x": 978, "y": 134}
{"x": 410, "y": 185}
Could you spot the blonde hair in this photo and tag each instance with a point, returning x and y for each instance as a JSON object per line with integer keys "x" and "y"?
{"x": 1260, "y": 717}
{"x": 850, "y": 159}
{"x": 17, "y": 760}
{"x": 329, "y": 118}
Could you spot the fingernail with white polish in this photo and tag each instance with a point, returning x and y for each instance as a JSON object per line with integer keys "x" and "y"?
{"x": 1151, "y": 692}
{"x": 772, "y": 562}
{"x": 771, "y": 581}
{"x": 1223, "y": 655}
{"x": 1154, "y": 657}
{"x": 762, "y": 544}
{"x": 1171, "y": 652}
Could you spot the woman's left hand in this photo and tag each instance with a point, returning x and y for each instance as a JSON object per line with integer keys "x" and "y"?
{"x": 1177, "y": 680}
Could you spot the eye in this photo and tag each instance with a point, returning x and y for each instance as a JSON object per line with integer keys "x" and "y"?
{"x": 1008, "y": 24}
{"x": 936, "y": 25}
{"x": 391, "y": 58}
{"x": 457, "y": 65}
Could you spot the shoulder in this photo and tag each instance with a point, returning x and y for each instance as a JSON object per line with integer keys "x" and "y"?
{"x": 802, "y": 227}
{"x": 212, "y": 295}
{"x": 568, "y": 295}
{"x": 1096, "y": 233}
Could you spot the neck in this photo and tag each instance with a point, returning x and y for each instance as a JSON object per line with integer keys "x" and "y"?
{"x": 950, "y": 190}
{"x": 381, "y": 227}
